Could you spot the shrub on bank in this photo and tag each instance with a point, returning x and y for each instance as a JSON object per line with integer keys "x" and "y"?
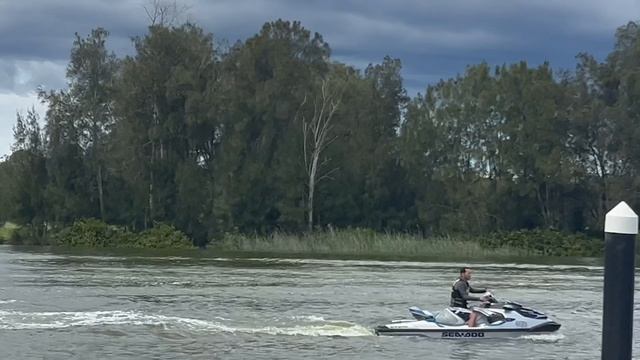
{"x": 28, "y": 235}
{"x": 546, "y": 242}
{"x": 96, "y": 233}
{"x": 6, "y": 231}
{"x": 161, "y": 236}
{"x": 90, "y": 233}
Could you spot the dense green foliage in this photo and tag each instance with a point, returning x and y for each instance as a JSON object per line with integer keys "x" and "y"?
{"x": 6, "y": 232}
{"x": 545, "y": 242}
{"x": 95, "y": 233}
{"x": 90, "y": 233}
{"x": 215, "y": 140}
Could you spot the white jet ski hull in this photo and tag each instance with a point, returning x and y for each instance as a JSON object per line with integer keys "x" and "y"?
{"x": 511, "y": 322}
{"x": 419, "y": 328}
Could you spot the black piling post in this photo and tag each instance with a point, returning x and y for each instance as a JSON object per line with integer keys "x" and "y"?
{"x": 620, "y": 228}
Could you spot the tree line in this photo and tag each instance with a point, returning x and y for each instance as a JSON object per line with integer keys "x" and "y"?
{"x": 271, "y": 134}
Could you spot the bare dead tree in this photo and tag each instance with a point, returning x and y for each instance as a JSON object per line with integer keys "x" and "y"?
{"x": 317, "y": 136}
{"x": 164, "y": 12}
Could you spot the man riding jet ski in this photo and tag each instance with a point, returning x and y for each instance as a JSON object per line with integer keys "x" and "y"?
{"x": 460, "y": 295}
{"x": 492, "y": 319}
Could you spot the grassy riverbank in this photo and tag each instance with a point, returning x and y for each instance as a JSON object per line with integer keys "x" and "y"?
{"x": 364, "y": 243}
{"x": 354, "y": 246}
{"x": 360, "y": 243}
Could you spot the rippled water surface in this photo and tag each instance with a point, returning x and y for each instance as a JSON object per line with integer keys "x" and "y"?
{"x": 74, "y": 306}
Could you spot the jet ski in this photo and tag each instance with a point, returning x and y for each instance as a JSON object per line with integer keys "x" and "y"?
{"x": 497, "y": 319}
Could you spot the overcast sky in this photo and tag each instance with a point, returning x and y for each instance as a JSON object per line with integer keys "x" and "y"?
{"x": 434, "y": 39}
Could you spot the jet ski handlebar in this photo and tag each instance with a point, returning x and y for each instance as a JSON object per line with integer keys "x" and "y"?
{"x": 489, "y": 300}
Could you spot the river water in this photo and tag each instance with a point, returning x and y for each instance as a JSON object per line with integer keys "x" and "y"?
{"x": 81, "y": 306}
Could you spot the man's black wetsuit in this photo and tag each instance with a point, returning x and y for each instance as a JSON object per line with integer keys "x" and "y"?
{"x": 460, "y": 293}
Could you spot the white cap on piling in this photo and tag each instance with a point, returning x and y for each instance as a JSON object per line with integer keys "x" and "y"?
{"x": 621, "y": 220}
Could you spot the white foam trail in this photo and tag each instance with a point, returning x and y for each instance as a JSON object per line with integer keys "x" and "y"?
{"x": 7, "y": 301}
{"x": 544, "y": 337}
{"x": 16, "y": 320}
{"x": 180, "y": 283}
{"x": 318, "y": 330}
{"x": 312, "y": 318}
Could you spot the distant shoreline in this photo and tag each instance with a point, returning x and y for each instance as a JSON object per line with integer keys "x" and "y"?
{"x": 347, "y": 243}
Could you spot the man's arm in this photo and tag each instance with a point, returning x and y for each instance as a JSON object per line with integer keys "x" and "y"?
{"x": 477, "y": 290}
{"x": 461, "y": 288}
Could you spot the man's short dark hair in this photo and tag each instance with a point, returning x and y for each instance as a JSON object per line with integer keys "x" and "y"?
{"x": 464, "y": 269}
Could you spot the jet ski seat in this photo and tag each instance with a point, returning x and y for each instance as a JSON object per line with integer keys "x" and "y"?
{"x": 447, "y": 317}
